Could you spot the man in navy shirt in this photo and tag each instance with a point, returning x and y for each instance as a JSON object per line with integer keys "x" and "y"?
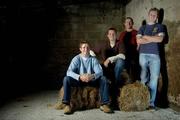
{"x": 149, "y": 38}
{"x": 85, "y": 69}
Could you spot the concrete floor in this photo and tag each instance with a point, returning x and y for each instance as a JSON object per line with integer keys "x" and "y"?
{"x": 39, "y": 107}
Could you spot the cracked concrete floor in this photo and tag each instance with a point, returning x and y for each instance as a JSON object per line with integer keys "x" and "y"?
{"x": 38, "y": 106}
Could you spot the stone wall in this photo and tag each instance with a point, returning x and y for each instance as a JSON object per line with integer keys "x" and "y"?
{"x": 80, "y": 22}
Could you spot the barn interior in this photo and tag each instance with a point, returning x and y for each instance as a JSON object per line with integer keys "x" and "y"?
{"x": 39, "y": 38}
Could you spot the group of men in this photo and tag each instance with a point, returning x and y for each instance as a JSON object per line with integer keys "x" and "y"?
{"x": 131, "y": 51}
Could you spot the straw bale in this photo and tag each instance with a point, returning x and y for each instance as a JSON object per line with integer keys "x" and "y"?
{"x": 134, "y": 97}
{"x": 81, "y": 98}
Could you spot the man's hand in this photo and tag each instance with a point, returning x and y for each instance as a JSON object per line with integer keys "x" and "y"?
{"x": 137, "y": 48}
{"x": 83, "y": 78}
{"x": 139, "y": 41}
{"x": 86, "y": 77}
{"x": 90, "y": 77}
{"x": 106, "y": 62}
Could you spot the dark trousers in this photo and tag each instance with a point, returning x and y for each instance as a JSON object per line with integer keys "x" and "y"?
{"x": 102, "y": 82}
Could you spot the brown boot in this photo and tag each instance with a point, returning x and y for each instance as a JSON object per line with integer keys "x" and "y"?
{"x": 67, "y": 109}
{"x": 106, "y": 108}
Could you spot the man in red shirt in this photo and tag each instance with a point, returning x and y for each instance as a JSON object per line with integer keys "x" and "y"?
{"x": 128, "y": 37}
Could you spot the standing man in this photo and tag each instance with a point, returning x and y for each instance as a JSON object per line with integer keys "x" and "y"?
{"x": 83, "y": 70}
{"x": 128, "y": 37}
{"x": 149, "y": 38}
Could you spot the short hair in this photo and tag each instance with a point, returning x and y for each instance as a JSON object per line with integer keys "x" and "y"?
{"x": 154, "y": 9}
{"x": 83, "y": 42}
{"x": 130, "y": 18}
{"x": 111, "y": 29}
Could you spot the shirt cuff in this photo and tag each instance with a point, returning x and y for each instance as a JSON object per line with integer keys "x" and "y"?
{"x": 161, "y": 34}
{"x": 92, "y": 53}
{"x": 77, "y": 77}
{"x": 138, "y": 35}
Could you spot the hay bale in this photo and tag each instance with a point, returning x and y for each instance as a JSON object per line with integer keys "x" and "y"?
{"x": 81, "y": 98}
{"x": 134, "y": 97}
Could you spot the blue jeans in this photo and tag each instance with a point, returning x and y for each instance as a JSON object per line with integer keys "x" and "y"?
{"x": 114, "y": 70}
{"x": 113, "y": 73}
{"x": 150, "y": 71}
{"x": 69, "y": 82}
{"x": 119, "y": 66}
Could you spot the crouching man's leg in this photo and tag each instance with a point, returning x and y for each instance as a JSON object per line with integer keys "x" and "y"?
{"x": 104, "y": 93}
{"x": 67, "y": 83}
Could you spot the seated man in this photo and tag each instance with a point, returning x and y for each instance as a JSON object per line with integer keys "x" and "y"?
{"x": 112, "y": 54}
{"x": 83, "y": 70}
{"x": 128, "y": 37}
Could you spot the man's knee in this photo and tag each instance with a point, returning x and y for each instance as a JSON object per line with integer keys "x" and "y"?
{"x": 66, "y": 79}
{"x": 104, "y": 80}
{"x": 120, "y": 63}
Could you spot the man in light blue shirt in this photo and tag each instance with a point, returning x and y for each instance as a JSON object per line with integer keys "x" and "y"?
{"x": 85, "y": 69}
